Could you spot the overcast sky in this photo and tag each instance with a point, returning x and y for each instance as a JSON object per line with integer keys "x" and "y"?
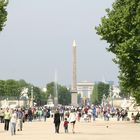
{"x": 38, "y": 36}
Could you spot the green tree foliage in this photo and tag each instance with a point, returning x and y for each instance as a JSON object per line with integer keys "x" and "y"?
{"x": 13, "y": 88}
{"x": 94, "y": 95}
{"x": 64, "y": 95}
{"x": 99, "y": 90}
{"x": 51, "y": 90}
{"x": 2, "y": 87}
{"x": 123, "y": 92}
{"x": 3, "y": 13}
{"x": 40, "y": 97}
{"x": 121, "y": 29}
{"x": 22, "y": 83}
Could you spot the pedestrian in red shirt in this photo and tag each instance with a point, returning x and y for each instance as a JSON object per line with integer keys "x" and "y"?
{"x": 66, "y": 125}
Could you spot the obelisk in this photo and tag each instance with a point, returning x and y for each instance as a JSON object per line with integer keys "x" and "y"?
{"x": 55, "y": 91}
{"x": 74, "y": 76}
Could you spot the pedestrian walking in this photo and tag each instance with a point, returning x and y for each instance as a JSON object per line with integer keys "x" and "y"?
{"x": 72, "y": 119}
{"x": 45, "y": 114}
{"x": 30, "y": 115}
{"x": 13, "y": 122}
{"x": 57, "y": 121}
{"x": 19, "y": 119}
{"x": 7, "y": 117}
{"x": 66, "y": 125}
{"x": 94, "y": 113}
{"x": 1, "y": 115}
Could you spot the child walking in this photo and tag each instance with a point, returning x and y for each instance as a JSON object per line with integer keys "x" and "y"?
{"x": 66, "y": 125}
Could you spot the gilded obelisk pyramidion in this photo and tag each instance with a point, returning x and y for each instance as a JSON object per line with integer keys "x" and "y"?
{"x": 74, "y": 76}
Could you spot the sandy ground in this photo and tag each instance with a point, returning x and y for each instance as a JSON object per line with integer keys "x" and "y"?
{"x": 97, "y": 130}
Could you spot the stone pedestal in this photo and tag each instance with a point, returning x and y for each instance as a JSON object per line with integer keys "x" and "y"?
{"x": 74, "y": 99}
{"x": 55, "y": 101}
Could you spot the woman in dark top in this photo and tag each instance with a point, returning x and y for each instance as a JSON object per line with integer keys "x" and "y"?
{"x": 57, "y": 121}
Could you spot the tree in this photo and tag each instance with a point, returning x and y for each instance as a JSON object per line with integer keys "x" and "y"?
{"x": 12, "y": 88}
{"x": 3, "y": 13}
{"x": 123, "y": 92}
{"x": 51, "y": 90}
{"x": 39, "y": 96}
{"x": 94, "y": 95}
{"x": 64, "y": 96}
{"x": 2, "y": 84}
{"x": 121, "y": 29}
{"x": 99, "y": 90}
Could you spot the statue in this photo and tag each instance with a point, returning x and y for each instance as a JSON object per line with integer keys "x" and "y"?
{"x": 24, "y": 93}
{"x": 50, "y": 102}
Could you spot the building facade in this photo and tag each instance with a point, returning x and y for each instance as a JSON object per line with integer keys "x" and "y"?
{"x": 85, "y": 89}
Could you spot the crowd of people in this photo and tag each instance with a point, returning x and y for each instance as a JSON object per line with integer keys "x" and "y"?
{"x": 14, "y": 118}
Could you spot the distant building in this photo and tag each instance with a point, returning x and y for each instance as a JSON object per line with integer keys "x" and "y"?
{"x": 85, "y": 89}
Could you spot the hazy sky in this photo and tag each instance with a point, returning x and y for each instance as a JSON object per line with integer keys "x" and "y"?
{"x": 38, "y": 36}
